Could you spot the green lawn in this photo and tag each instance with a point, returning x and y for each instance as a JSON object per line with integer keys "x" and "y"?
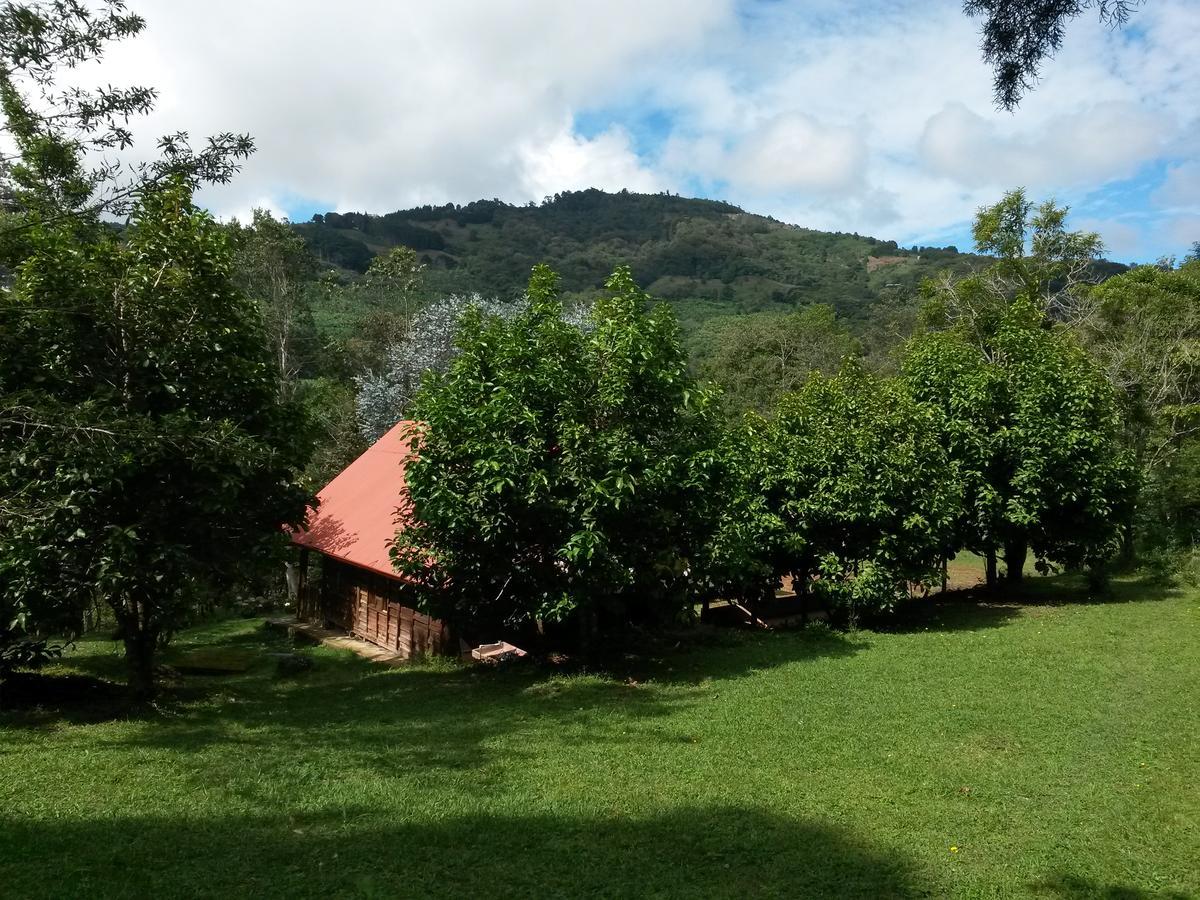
{"x": 1049, "y": 749}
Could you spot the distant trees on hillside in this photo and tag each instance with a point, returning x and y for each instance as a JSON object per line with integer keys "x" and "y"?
{"x": 757, "y": 359}
{"x": 682, "y": 249}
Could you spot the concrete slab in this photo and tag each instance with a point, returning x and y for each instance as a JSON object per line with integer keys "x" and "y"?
{"x": 330, "y": 637}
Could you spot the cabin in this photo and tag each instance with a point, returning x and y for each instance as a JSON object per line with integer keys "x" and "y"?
{"x": 350, "y": 532}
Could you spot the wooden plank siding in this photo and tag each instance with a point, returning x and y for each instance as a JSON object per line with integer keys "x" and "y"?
{"x": 370, "y": 606}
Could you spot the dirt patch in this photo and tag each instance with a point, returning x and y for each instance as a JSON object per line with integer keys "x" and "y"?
{"x": 878, "y": 262}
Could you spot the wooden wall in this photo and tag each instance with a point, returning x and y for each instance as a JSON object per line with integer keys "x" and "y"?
{"x": 369, "y": 606}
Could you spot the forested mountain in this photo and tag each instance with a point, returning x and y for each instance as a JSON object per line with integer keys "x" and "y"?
{"x": 706, "y": 256}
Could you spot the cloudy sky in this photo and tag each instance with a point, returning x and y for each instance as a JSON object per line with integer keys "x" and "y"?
{"x": 869, "y": 117}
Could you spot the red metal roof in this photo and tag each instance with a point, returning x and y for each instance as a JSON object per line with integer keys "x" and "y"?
{"x": 357, "y": 513}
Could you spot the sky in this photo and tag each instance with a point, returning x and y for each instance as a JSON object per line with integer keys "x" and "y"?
{"x": 869, "y": 117}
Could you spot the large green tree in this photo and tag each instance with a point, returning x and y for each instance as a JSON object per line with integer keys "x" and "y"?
{"x": 563, "y": 472}
{"x": 273, "y": 266}
{"x": 1028, "y": 416}
{"x": 1144, "y": 329}
{"x": 145, "y": 457}
{"x": 847, "y": 488}
{"x": 1031, "y": 424}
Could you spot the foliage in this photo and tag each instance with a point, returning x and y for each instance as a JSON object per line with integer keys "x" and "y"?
{"x": 686, "y": 251}
{"x": 1019, "y": 34}
{"x": 56, "y": 131}
{"x": 1144, "y": 329}
{"x": 847, "y": 489}
{"x": 329, "y": 405}
{"x": 563, "y": 472}
{"x": 131, "y": 370}
{"x": 1035, "y": 258}
{"x": 273, "y": 266}
{"x": 1031, "y": 425}
{"x": 428, "y": 345}
{"x": 145, "y": 457}
{"x": 25, "y": 653}
{"x": 756, "y": 359}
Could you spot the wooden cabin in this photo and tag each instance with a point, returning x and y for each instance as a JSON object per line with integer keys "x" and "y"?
{"x": 357, "y": 590}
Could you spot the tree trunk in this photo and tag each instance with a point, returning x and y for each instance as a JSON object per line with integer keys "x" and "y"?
{"x": 990, "y": 557}
{"x": 1015, "y": 553}
{"x": 139, "y": 655}
{"x": 589, "y": 628}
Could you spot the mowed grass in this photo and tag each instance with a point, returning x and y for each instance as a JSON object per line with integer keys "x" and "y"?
{"x": 1045, "y": 749}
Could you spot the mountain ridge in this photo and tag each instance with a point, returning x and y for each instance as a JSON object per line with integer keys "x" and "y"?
{"x": 706, "y": 257}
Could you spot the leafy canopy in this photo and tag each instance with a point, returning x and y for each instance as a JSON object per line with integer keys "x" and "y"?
{"x": 145, "y": 457}
{"x": 563, "y": 471}
{"x": 847, "y": 488}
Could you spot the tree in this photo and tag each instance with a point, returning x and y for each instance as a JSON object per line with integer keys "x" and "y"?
{"x": 563, "y": 473}
{"x": 1030, "y": 423}
{"x": 757, "y": 359}
{"x": 428, "y": 345}
{"x": 1019, "y": 34}
{"x": 1144, "y": 329}
{"x": 847, "y": 489}
{"x": 1035, "y": 257}
{"x": 389, "y": 295}
{"x": 145, "y": 455}
{"x": 1011, "y": 381}
{"x": 140, "y": 461}
{"x": 273, "y": 266}
{"x": 53, "y": 131}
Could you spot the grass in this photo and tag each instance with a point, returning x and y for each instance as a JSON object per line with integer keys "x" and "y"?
{"x": 1042, "y": 749}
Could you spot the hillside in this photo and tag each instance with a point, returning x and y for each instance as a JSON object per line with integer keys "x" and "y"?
{"x": 707, "y": 257}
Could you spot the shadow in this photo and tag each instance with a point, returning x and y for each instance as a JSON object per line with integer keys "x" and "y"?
{"x": 436, "y": 717}
{"x": 976, "y": 608}
{"x": 1073, "y": 887}
{"x": 325, "y": 533}
{"x": 710, "y": 652}
{"x": 968, "y": 610}
{"x": 1063, "y": 590}
{"x": 439, "y": 716}
{"x": 40, "y": 698}
{"x": 363, "y": 852}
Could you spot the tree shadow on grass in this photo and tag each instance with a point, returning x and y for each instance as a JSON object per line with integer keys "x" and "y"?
{"x": 1073, "y": 887}
{"x": 690, "y": 852}
{"x": 952, "y": 611}
{"x": 439, "y": 714}
{"x": 1072, "y": 590}
{"x": 39, "y": 698}
{"x": 707, "y": 653}
{"x": 977, "y": 608}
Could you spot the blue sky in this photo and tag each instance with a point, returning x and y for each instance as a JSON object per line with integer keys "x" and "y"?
{"x": 868, "y": 117}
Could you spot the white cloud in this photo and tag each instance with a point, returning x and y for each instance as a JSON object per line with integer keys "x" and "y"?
{"x": 1184, "y": 231}
{"x": 1121, "y": 239}
{"x": 569, "y": 162}
{"x": 857, "y": 117}
{"x": 1180, "y": 187}
{"x": 1102, "y": 142}
{"x": 793, "y": 152}
{"x": 379, "y": 105}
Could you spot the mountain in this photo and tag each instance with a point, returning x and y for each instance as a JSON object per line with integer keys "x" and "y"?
{"x": 705, "y": 256}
